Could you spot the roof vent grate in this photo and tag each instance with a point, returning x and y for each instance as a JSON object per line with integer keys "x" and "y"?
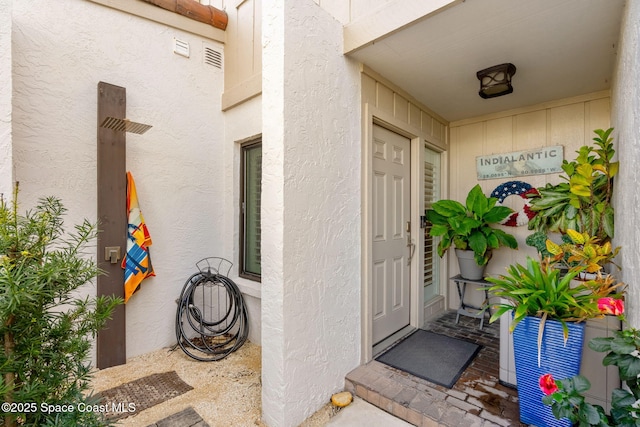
{"x": 212, "y": 57}
{"x": 181, "y": 47}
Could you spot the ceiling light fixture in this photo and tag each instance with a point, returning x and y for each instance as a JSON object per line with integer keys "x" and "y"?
{"x": 496, "y": 80}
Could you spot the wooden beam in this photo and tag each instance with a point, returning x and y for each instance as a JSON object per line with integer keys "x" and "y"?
{"x": 196, "y": 11}
{"x": 112, "y": 220}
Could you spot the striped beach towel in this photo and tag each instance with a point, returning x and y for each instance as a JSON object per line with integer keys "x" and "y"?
{"x": 136, "y": 262}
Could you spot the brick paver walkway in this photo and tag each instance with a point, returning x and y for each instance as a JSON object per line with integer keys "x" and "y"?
{"x": 476, "y": 400}
{"x": 186, "y": 418}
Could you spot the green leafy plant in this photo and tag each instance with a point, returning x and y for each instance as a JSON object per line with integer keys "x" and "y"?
{"x": 582, "y": 251}
{"x": 567, "y": 401}
{"x": 583, "y": 201}
{"x": 566, "y": 396}
{"x": 539, "y": 289}
{"x": 45, "y": 328}
{"x": 539, "y": 239}
{"x": 468, "y": 226}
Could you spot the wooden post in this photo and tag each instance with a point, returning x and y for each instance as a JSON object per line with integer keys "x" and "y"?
{"x": 112, "y": 217}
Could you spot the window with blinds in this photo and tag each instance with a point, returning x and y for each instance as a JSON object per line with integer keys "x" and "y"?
{"x": 251, "y": 194}
{"x": 431, "y": 194}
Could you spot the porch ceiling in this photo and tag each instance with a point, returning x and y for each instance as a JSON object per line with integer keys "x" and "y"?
{"x": 561, "y": 48}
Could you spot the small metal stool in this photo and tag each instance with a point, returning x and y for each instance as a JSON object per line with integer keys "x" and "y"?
{"x": 463, "y": 309}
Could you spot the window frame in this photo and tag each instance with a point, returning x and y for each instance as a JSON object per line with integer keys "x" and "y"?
{"x": 433, "y": 160}
{"x": 244, "y": 148}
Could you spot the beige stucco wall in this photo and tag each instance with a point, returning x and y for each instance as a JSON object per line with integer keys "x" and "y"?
{"x": 6, "y": 150}
{"x": 567, "y": 122}
{"x": 626, "y": 120}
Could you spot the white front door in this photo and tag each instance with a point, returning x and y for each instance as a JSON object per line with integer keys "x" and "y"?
{"x": 390, "y": 232}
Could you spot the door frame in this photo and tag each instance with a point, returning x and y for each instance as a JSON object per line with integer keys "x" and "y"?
{"x": 418, "y": 138}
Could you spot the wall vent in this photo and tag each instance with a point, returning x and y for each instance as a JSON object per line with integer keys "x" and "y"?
{"x": 181, "y": 47}
{"x": 212, "y": 57}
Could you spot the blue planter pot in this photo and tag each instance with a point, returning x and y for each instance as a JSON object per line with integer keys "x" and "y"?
{"x": 556, "y": 358}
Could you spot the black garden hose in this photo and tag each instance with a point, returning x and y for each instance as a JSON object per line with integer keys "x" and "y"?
{"x": 211, "y": 319}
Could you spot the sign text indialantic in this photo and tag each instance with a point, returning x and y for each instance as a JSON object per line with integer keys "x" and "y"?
{"x": 532, "y": 162}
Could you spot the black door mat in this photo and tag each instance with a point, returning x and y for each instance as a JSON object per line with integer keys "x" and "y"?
{"x": 134, "y": 397}
{"x": 433, "y": 357}
{"x": 186, "y": 418}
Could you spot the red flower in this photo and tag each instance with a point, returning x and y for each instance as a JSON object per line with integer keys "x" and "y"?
{"x": 611, "y": 306}
{"x": 548, "y": 384}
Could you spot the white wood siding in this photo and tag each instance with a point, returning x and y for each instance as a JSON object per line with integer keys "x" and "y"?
{"x": 386, "y": 97}
{"x": 243, "y": 52}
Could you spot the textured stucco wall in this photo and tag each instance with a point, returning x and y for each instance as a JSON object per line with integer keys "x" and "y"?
{"x": 6, "y": 162}
{"x": 311, "y": 211}
{"x": 61, "y": 50}
{"x": 626, "y": 121}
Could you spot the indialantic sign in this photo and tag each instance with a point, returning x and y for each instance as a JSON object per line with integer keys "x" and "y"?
{"x": 532, "y": 162}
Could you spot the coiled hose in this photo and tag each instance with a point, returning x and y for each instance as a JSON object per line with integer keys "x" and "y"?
{"x": 211, "y": 319}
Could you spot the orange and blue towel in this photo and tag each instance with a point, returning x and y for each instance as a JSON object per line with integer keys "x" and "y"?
{"x": 137, "y": 262}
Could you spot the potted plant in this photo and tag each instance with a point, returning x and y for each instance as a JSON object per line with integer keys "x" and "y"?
{"x": 583, "y": 201}
{"x": 549, "y": 311}
{"x": 580, "y": 250}
{"x": 468, "y": 228}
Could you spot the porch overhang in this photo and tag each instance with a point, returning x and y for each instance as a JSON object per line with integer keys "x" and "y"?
{"x": 432, "y": 50}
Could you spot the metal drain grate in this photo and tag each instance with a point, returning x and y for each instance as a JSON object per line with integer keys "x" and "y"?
{"x": 136, "y": 396}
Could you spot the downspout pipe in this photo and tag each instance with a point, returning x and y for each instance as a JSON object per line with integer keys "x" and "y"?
{"x": 194, "y": 10}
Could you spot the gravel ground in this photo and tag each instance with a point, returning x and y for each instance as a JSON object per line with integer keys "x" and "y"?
{"x": 225, "y": 393}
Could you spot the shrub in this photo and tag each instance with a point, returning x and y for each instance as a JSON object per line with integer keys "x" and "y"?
{"x": 45, "y": 328}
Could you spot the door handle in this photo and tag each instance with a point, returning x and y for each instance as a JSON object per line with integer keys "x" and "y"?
{"x": 412, "y": 250}
{"x": 410, "y": 244}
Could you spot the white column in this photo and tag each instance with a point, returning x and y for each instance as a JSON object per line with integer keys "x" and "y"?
{"x": 6, "y": 150}
{"x": 626, "y": 121}
{"x": 272, "y": 214}
{"x": 310, "y": 212}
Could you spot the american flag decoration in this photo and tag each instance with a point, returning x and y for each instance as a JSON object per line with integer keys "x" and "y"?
{"x": 516, "y": 188}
